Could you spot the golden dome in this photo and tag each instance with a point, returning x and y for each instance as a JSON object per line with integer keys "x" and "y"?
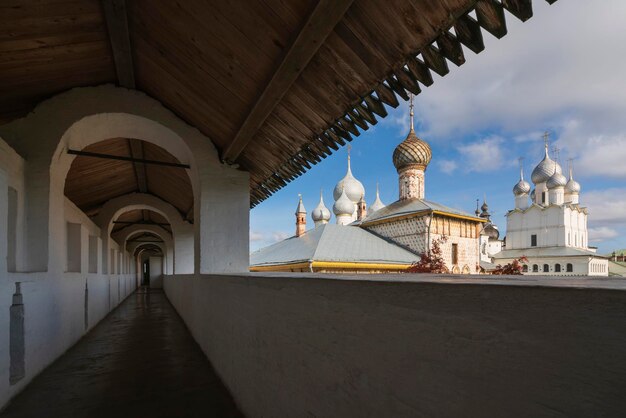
{"x": 412, "y": 152}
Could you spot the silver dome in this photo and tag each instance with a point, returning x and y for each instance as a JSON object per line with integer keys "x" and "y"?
{"x": 491, "y": 231}
{"x": 378, "y": 204}
{"x": 352, "y": 187}
{"x": 545, "y": 169}
{"x": 321, "y": 212}
{"x": 572, "y": 186}
{"x": 343, "y": 205}
{"x": 521, "y": 188}
{"x": 556, "y": 180}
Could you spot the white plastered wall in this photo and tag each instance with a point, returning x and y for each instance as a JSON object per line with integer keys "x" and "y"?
{"x": 84, "y": 116}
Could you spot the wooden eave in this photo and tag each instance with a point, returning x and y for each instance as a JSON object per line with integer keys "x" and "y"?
{"x": 277, "y": 86}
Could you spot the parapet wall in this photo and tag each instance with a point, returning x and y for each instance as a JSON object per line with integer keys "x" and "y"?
{"x": 331, "y": 346}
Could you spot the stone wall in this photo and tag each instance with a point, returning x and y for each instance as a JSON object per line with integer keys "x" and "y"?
{"x": 334, "y": 346}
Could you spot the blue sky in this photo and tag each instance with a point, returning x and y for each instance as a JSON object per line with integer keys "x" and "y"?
{"x": 563, "y": 70}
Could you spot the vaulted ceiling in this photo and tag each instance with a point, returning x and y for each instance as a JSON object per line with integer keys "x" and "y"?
{"x": 276, "y": 85}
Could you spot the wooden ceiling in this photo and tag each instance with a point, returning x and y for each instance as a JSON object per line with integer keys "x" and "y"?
{"x": 91, "y": 182}
{"x": 140, "y": 217}
{"x": 277, "y": 85}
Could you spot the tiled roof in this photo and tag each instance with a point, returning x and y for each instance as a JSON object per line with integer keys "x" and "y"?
{"x": 409, "y": 206}
{"x": 334, "y": 243}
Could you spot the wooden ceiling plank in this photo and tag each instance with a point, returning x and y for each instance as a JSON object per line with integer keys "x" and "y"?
{"x": 117, "y": 25}
{"x": 319, "y": 25}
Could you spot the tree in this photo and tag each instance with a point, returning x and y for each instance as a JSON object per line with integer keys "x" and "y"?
{"x": 431, "y": 261}
{"x": 513, "y": 268}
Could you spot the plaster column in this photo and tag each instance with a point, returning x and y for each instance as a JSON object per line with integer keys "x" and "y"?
{"x": 4, "y": 223}
{"x": 222, "y": 221}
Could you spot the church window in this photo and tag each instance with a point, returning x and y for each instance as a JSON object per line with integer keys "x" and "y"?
{"x": 546, "y": 268}
{"x": 570, "y": 267}
{"x": 535, "y": 268}
{"x": 525, "y": 268}
{"x": 557, "y": 268}
{"x": 455, "y": 253}
{"x": 533, "y": 240}
{"x": 543, "y": 197}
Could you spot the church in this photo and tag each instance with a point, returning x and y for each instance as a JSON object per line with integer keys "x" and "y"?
{"x": 401, "y": 230}
{"x": 548, "y": 225}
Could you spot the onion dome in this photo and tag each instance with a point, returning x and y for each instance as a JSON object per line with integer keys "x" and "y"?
{"x": 491, "y": 231}
{"x": 300, "y": 208}
{"x": 477, "y": 211}
{"x": 378, "y": 204}
{"x": 351, "y": 186}
{"x": 545, "y": 169}
{"x": 412, "y": 152}
{"x": 343, "y": 205}
{"x": 522, "y": 187}
{"x": 572, "y": 185}
{"x": 556, "y": 180}
{"x": 321, "y": 212}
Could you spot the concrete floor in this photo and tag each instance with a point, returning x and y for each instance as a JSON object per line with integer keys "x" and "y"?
{"x": 140, "y": 361}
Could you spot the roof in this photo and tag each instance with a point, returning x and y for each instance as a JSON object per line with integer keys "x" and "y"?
{"x": 412, "y": 206}
{"x": 335, "y": 243}
{"x": 276, "y": 86}
{"x": 546, "y": 252}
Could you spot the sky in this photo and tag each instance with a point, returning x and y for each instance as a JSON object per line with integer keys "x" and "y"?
{"x": 562, "y": 71}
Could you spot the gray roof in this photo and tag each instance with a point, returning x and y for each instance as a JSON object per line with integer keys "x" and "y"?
{"x": 547, "y": 252}
{"x": 409, "y": 206}
{"x": 336, "y": 243}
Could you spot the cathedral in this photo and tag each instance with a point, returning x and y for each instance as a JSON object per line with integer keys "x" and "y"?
{"x": 401, "y": 230}
{"x": 548, "y": 225}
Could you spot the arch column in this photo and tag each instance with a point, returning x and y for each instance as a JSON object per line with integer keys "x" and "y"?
{"x": 222, "y": 221}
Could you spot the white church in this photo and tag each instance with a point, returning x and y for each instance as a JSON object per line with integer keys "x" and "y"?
{"x": 548, "y": 226}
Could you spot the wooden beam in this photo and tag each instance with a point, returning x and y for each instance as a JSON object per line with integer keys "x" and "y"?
{"x": 122, "y": 158}
{"x": 318, "y": 26}
{"x": 136, "y": 151}
{"x": 117, "y": 25}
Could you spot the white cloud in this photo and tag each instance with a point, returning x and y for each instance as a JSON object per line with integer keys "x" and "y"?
{"x": 256, "y": 236}
{"x": 484, "y": 155}
{"x": 606, "y": 207}
{"x": 541, "y": 72}
{"x": 601, "y": 233}
{"x": 279, "y": 236}
{"x": 447, "y": 166}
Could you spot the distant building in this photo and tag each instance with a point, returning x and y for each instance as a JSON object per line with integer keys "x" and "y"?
{"x": 549, "y": 226}
{"x": 383, "y": 237}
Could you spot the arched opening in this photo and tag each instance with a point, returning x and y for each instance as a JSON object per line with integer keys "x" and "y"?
{"x": 125, "y": 167}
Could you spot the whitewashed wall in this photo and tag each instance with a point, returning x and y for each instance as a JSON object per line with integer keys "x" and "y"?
{"x": 332, "y": 346}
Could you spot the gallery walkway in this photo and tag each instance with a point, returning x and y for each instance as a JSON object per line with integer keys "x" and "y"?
{"x": 140, "y": 361}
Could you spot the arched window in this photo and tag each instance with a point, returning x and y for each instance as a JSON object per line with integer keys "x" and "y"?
{"x": 557, "y": 268}
{"x": 570, "y": 268}
{"x": 525, "y": 268}
{"x": 546, "y": 268}
{"x": 535, "y": 268}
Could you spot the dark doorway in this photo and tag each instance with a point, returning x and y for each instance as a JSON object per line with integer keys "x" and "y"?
{"x": 146, "y": 273}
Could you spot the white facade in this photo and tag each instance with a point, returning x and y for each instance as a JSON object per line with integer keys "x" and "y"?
{"x": 549, "y": 226}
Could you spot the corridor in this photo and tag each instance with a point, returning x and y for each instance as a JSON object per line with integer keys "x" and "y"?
{"x": 140, "y": 361}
